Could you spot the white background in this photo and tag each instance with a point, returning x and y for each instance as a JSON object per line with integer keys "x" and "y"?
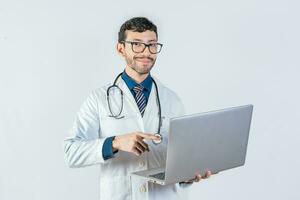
{"x": 216, "y": 54}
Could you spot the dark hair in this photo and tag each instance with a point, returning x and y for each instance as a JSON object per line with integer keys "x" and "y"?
{"x": 136, "y": 24}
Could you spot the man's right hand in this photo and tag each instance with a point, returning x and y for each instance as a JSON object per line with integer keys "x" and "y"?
{"x": 133, "y": 142}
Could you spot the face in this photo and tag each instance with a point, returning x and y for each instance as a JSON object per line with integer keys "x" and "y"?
{"x": 142, "y": 62}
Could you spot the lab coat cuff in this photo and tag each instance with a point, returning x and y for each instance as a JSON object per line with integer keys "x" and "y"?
{"x": 107, "y": 149}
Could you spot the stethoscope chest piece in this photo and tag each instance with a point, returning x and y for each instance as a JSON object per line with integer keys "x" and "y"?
{"x": 157, "y": 141}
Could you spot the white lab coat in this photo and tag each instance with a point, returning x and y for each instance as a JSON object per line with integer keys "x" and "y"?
{"x": 93, "y": 125}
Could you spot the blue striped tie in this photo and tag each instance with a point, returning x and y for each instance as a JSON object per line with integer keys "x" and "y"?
{"x": 140, "y": 98}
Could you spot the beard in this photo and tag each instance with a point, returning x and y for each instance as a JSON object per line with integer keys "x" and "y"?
{"x": 139, "y": 67}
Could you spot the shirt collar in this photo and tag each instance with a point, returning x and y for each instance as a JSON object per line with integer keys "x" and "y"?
{"x": 147, "y": 83}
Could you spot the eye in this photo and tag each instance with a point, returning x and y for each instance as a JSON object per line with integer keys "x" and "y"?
{"x": 153, "y": 45}
{"x": 136, "y": 43}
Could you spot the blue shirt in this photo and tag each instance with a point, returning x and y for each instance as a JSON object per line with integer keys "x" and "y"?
{"x": 147, "y": 84}
{"x": 107, "y": 150}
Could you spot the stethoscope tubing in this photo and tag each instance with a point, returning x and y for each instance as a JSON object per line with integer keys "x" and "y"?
{"x": 118, "y": 116}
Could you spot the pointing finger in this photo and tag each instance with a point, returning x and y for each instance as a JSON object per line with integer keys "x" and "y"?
{"x": 149, "y": 136}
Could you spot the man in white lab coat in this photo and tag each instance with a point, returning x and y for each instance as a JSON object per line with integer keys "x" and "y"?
{"x": 117, "y": 132}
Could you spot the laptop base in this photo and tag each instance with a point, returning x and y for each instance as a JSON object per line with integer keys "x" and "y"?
{"x": 151, "y": 175}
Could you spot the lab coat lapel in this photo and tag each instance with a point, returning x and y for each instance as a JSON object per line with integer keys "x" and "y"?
{"x": 150, "y": 118}
{"x": 149, "y": 121}
{"x": 128, "y": 97}
{"x": 131, "y": 103}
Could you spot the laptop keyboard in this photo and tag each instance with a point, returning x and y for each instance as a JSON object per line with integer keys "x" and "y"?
{"x": 159, "y": 175}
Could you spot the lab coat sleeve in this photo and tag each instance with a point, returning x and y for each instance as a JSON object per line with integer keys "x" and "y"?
{"x": 84, "y": 145}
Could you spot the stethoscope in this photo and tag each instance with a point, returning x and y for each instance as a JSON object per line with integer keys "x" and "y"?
{"x": 118, "y": 116}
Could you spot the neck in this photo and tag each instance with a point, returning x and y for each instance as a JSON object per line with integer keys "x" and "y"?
{"x": 137, "y": 77}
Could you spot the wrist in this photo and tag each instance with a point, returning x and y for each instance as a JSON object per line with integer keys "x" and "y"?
{"x": 115, "y": 144}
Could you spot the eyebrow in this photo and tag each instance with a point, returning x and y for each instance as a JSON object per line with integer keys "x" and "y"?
{"x": 139, "y": 40}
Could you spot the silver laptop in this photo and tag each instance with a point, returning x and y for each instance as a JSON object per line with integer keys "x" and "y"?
{"x": 215, "y": 141}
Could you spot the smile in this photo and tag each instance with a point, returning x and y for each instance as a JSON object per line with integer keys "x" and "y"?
{"x": 144, "y": 60}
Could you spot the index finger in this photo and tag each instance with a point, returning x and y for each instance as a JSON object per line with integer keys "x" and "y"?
{"x": 149, "y": 136}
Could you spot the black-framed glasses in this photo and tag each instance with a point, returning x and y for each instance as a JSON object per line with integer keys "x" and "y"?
{"x": 139, "y": 47}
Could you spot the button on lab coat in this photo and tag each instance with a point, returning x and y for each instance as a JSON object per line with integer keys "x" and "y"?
{"x": 92, "y": 125}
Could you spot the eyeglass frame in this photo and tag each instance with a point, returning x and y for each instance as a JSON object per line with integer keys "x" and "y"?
{"x": 146, "y": 45}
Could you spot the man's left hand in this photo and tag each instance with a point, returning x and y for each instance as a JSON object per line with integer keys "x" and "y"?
{"x": 198, "y": 177}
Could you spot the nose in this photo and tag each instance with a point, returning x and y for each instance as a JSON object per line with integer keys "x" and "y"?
{"x": 146, "y": 52}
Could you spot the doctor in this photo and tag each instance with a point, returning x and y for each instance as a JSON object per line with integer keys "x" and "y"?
{"x": 115, "y": 127}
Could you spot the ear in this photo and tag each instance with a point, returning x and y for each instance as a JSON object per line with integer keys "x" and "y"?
{"x": 120, "y": 49}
